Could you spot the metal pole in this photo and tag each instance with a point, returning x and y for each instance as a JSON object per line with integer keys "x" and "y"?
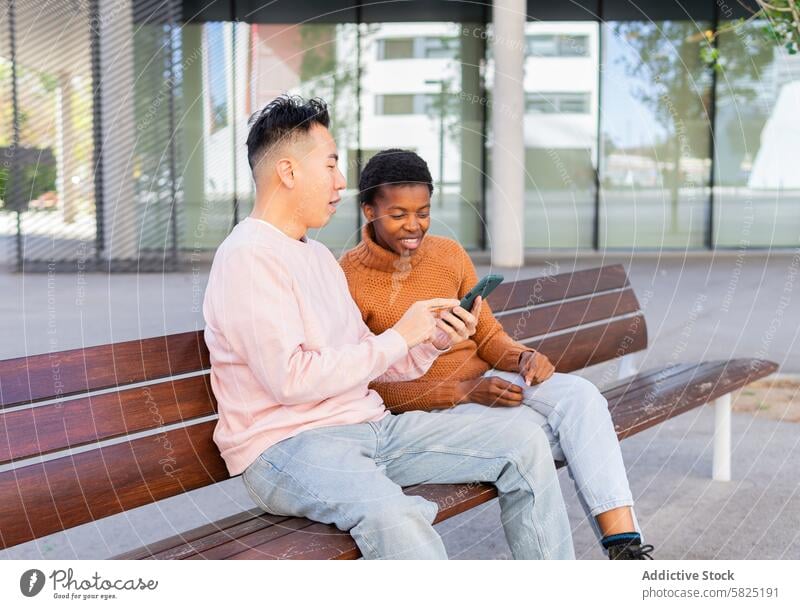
{"x": 14, "y": 179}
{"x": 599, "y": 138}
{"x": 97, "y": 128}
{"x": 441, "y": 143}
{"x": 712, "y": 114}
{"x": 172, "y": 135}
{"x": 359, "y": 152}
{"x": 233, "y": 112}
{"x": 721, "y": 467}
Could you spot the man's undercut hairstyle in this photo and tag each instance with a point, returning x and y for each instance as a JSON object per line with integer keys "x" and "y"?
{"x": 281, "y": 120}
{"x": 393, "y": 167}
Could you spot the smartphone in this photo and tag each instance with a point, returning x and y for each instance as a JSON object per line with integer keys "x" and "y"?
{"x": 483, "y": 288}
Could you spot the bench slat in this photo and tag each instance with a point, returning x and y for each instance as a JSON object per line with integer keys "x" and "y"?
{"x": 265, "y": 538}
{"x": 543, "y": 290}
{"x": 593, "y": 345}
{"x": 623, "y": 385}
{"x": 54, "y": 375}
{"x": 245, "y": 534}
{"x": 72, "y": 423}
{"x": 195, "y": 535}
{"x": 73, "y": 490}
{"x": 648, "y": 404}
{"x": 552, "y": 318}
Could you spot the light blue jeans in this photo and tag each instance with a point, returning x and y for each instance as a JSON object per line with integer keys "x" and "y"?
{"x": 574, "y": 415}
{"x": 351, "y": 476}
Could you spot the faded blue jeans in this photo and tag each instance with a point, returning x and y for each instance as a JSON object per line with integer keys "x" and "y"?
{"x": 351, "y": 476}
{"x": 574, "y": 415}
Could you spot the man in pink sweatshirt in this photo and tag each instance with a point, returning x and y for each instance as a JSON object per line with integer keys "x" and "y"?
{"x": 291, "y": 361}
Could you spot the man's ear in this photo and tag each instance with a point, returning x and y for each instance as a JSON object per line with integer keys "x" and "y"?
{"x": 285, "y": 169}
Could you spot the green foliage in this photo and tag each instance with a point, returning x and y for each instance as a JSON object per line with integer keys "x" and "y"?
{"x": 783, "y": 23}
{"x": 36, "y": 179}
{"x": 779, "y": 26}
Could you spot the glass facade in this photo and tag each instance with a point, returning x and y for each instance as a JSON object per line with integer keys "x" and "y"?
{"x": 418, "y": 83}
{"x": 757, "y": 128}
{"x": 655, "y": 136}
{"x": 46, "y": 137}
{"x": 561, "y": 105}
{"x": 631, "y": 141}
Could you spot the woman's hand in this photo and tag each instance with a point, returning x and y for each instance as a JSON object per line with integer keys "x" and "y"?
{"x": 535, "y": 367}
{"x": 456, "y": 325}
{"x": 489, "y": 391}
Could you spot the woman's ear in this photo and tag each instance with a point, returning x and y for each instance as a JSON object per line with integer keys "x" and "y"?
{"x": 369, "y": 211}
{"x": 285, "y": 172}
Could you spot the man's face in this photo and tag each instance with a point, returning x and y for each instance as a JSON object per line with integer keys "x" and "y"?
{"x": 317, "y": 176}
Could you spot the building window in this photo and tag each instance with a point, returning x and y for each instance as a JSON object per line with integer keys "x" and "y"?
{"x": 405, "y": 103}
{"x": 422, "y": 47}
{"x": 396, "y": 48}
{"x": 394, "y": 104}
{"x": 217, "y": 76}
{"x": 557, "y": 45}
{"x": 545, "y": 102}
{"x": 439, "y": 48}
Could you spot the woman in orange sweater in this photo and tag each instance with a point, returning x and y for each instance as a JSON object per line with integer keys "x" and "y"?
{"x": 396, "y": 264}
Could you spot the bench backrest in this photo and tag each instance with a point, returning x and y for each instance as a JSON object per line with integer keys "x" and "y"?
{"x": 92, "y": 432}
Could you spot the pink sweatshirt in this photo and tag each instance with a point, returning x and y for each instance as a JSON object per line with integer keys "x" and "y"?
{"x": 289, "y": 349}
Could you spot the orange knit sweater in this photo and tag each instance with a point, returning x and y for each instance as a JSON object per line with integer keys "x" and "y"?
{"x": 384, "y": 285}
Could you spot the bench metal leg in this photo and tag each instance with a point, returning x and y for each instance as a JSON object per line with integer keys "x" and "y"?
{"x": 721, "y": 469}
{"x": 627, "y": 366}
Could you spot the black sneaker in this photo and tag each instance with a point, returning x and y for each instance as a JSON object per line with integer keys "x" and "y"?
{"x": 630, "y": 551}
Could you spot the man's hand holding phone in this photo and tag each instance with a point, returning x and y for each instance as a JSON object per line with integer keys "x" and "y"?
{"x": 419, "y": 323}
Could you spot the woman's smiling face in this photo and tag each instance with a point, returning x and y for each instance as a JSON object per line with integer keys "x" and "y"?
{"x": 400, "y": 216}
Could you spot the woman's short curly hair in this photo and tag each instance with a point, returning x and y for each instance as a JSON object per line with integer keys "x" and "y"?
{"x": 392, "y": 167}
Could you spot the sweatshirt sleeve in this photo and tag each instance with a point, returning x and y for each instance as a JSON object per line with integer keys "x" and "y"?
{"x": 260, "y": 319}
{"x": 495, "y": 346}
{"x": 416, "y": 362}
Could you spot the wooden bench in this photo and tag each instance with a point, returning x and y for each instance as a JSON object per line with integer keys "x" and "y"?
{"x": 90, "y": 401}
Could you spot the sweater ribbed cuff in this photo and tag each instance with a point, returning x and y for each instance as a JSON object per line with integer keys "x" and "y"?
{"x": 392, "y": 344}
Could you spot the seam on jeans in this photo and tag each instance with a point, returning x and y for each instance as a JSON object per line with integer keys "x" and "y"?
{"x": 302, "y": 486}
{"x": 554, "y": 411}
{"x": 257, "y": 497}
{"x": 376, "y": 431}
{"x": 610, "y": 505}
{"x": 443, "y": 449}
{"x": 536, "y": 527}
